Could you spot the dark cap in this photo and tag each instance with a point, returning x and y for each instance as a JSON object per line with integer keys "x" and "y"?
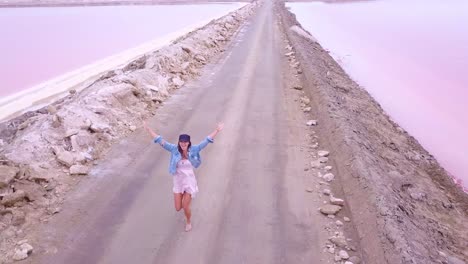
{"x": 184, "y": 138}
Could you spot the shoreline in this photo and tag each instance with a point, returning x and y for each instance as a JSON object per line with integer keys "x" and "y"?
{"x": 75, "y": 3}
{"x": 48, "y": 91}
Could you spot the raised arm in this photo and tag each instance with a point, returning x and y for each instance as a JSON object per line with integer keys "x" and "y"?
{"x": 219, "y": 127}
{"x": 158, "y": 139}
{"x": 209, "y": 138}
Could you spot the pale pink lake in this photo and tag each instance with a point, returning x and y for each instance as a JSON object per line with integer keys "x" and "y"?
{"x": 412, "y": 57}
{"x": 38, "y": 44}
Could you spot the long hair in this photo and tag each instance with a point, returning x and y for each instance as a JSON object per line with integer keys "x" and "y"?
{"x": 180, "y": 149}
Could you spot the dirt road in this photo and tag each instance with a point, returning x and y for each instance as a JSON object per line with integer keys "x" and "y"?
{"x": 252, "y": 206}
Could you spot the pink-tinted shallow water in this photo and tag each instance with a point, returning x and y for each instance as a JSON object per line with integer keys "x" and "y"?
{"x": 412, "y": 56}
{"x": 38, "y": 44}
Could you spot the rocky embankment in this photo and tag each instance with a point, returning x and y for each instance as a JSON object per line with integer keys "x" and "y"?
{"x": 404, "y": 205}
{"x": 45, "y": 152}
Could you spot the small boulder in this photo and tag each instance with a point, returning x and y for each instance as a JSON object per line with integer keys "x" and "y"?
{"x": 66, "y": 158}
{"x": 23, "y": 251}
{"x": 323, "y": 160}
{"x": 355, "y": 260}
{"x": 323, "y": 153}
{"x": 330, "y": 209}
{"x": 329, "y": 177}
{"x": 305, "y": 100}
{"x": 79, "y": 170}
{"x": 297, "y": 87}
{"x": 338, "y": 240}
{"x": 7, "y": 174}
{"x": 336, "y": 201}
{"x": 12, "y": 198}
{"x": 71, "y": 132}
{"x": 51, "y": 109}
{"x": 315, "y": 164}
{"x": 312, "y": 123}
{"x": 343, "y": 254}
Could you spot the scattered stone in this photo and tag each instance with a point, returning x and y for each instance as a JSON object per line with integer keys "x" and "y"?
{"x": 297, "y": 87}
{"x": 305, "y": 100}
{"x": 99, "y": 128}
{"x": 339, "y": 241}
{"x": 20, "y": 255}
{"x": 79, "y": 170}
{"x": 12, "y": 198}
{"x": 51, "y": 109}
{"x": 53, "y": 210}
{"x": 132, "y": 128}
{"x": 323, "y": 153}
{"x": 312, "y": 123}
{"x": 309, "y": 190}
{"x": 306, "y": 169}
{"x": 343, "y": 254}
{"x": 330, "y": 209}
{"x": 72, "y": 91}
{"x": 23, "y": 251}
{"x": 323, "y": 160}
{"x": 200, "y": 58}
{"x": 178, "y": 82}
{"x": 315, "y": 164}
{"x": 331, "y": 250}
{"x": 418, "y": 196}
{"x": 66, "y": 158}
{"x": 307, "y": 109}
{"x": 336, "y": 201}
{"x": 328, "y": 168}
{"x": 348, "y": 262}
{"x": 326, "y": 191}
{"x": 86, "y": 124}
{"x": 71, "y": 132}
{"x": 337, "y": 258}
{"x": 289, "y": 54}
{"x": 346, "y": 219}
{"x": 50, "y": 186}
{"x": 355, "y": 260}
{"x": 339, "y": 223}
{"x": 329, "y": 177}
{"x": 187, "y": 49}
{"x": 331, "y": 216}
{"x": 7, "y": 174}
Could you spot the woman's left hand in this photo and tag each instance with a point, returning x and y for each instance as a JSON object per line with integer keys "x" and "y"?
{"x": 220, "y": 126}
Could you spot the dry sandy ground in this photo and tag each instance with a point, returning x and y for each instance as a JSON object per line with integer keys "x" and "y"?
{"x": 262, "y": 183}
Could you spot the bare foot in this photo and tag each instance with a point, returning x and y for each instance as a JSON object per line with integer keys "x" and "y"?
{"x": 188, "y": 227}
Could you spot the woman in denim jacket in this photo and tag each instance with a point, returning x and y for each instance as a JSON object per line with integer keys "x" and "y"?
{"x": 184, "y": 158}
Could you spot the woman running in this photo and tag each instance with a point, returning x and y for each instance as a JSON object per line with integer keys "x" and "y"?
{"x": 184, "y": 158}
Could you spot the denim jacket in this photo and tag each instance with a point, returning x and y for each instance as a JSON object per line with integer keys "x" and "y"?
{"x": 193, "y": 153}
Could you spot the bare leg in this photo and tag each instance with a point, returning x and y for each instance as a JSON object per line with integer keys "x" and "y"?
{"x": 186, "y": 201}
{"x": 178, "y": 201}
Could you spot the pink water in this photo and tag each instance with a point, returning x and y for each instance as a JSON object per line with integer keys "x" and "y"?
{"x": 412, "y": 57}
{"x": 38, "y": 44}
